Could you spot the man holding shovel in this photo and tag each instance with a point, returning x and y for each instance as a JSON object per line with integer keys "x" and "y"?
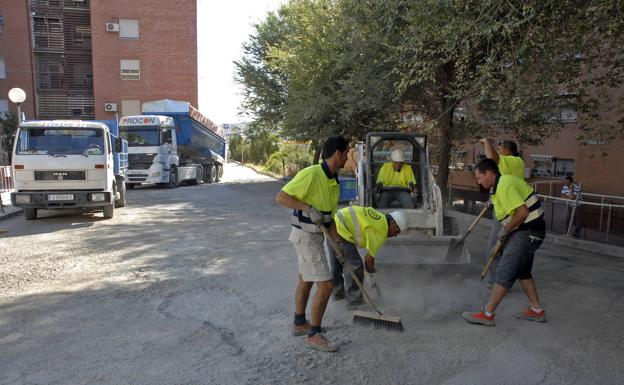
{"x": 313, "y": 196}
{"x": 364, "y": 227}
{"x": 509, "y": 162}
{"x": 519, "y": 211}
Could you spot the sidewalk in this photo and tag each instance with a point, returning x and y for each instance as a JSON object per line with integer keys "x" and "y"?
{"x": 9, "y": 211}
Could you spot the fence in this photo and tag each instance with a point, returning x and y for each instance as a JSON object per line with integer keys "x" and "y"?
{"x": 593, "y": 217}
{"x": 6, "y": 181}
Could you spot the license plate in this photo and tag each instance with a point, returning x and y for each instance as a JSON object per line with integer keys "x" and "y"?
{"x": 60, "y": 197}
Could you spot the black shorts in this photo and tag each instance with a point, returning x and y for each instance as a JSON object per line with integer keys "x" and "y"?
{"x": 516, "y": 261}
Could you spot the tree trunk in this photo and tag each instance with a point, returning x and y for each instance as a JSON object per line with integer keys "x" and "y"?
{"x": 446, "y": 142}
{"x": 317, "y": 153}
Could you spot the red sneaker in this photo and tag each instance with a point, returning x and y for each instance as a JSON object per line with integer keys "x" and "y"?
{"x": 479, "y": 318}
{"x": 319, "y": 342}
{"x": 300, "y": 330}
{"x": 531, "y": 315}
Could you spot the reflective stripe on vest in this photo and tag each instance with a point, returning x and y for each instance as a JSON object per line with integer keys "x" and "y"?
{"x": 535, "y": 210}
{"x": 301, "y": 220}
{"x": 356, "y": 226}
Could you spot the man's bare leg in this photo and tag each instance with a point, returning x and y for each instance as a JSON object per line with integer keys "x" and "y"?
{"x": 302, "y": 293}
{"x": 319, "y": 302}
{"x": 528, "y": 285}
{"x": 496, "y": 296}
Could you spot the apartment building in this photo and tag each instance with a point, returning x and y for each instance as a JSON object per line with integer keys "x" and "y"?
{"x": 87, "y": 59}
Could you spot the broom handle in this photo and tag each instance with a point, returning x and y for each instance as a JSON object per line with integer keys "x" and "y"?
{"x": 492, "y": 257}
{"x": 349, "y": 268}
{"x": 477, "y": 219}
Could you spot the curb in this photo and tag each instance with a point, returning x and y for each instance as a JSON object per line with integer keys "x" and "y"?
{"x": 555, "y": 239}
{"x": 10, "y": 214}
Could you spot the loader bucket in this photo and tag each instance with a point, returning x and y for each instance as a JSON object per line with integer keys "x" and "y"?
{"x": 423, "y": 249}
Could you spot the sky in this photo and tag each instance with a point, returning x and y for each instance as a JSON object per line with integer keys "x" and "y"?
{"x": 222, "y": 28}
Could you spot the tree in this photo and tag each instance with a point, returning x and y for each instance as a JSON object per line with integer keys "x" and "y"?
{"x": 8, "y": 128}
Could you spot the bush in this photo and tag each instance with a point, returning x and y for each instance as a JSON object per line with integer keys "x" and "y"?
{"x": 290, "y": 158}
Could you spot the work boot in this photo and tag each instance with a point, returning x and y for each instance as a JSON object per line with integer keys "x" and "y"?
{"x": 302, "y": 330}
{"x": 531, "y": 315}
{"x": 339, "y": 293}
{"x": 479, "y": 318}
{"x": 319, "y": 342}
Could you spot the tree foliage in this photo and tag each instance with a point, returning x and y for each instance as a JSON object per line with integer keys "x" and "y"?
{"x": 317, "y": 67}
{"x": 8, "y": 128}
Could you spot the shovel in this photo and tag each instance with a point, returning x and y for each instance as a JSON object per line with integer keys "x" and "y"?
{"x": 456, "y": 246}
{"x": 495, "y": 253}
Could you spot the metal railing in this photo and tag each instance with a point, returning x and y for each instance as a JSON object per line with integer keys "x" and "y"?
{"x": 594, "y": 217}
{"x": 6, "y": 180}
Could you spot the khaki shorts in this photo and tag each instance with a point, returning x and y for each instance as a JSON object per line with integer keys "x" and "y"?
{"x": 313, "y": 265}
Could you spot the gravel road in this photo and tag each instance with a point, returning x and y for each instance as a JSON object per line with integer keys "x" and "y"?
{"x": 195, "y": 286}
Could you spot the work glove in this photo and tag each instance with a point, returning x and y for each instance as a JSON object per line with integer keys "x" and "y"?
{"x": 315, "y": 215}
{"x": 369, "y": 261}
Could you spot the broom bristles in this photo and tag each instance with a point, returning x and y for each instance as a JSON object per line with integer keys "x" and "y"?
{"x": 378, "y": 321}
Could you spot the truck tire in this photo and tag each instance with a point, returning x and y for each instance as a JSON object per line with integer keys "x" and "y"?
{"x": 173, "y": 178}
{"x": 121, "y": 202}
{"x": 30, "y": 214}
{"x": 109, "y": 211}
{"x": 198, "y": 176}
{"x": 219, "y": 173}
{"x": 213, "y": 174}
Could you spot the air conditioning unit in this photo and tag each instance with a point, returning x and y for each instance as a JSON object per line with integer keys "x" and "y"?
{"x": 110, "y": 107}
{"x": 112, "y": 27}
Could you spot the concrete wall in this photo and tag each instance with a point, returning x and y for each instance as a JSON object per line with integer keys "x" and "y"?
{"x": 166, "y": 48}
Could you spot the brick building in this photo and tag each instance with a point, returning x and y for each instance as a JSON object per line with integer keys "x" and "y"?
{"x": 85, "y": 59}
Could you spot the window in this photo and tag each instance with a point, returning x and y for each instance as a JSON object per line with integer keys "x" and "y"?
{"x": 130, "y": 107}
{"x": 4, "y": 107}
{"x": 2, "y": 69}
{"x": 130, "y": 70}
{"x": 128, "y": 29}
{"x": 564, "y": 167}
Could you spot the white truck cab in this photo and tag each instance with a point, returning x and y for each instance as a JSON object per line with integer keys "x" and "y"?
{"x": 59, "y": 164}
{"x": 151, "y": 148}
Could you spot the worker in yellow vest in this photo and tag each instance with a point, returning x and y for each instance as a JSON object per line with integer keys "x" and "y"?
{"x": 313, "y": 196}
{"x": 366, "y": 228}
{"x": 509, "y": 162}
{"x": 523, "y": 229}
{"x": 396, "y": 174}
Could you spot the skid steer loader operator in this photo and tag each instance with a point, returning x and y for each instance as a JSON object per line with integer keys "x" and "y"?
{"x": 364, "y": 227}
{"x": 396, "y": 174}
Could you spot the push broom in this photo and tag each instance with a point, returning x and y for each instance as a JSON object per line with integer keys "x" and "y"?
{"x": 377, "y": 319}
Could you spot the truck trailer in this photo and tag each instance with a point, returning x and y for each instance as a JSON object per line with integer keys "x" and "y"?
{"x": 172, "y": 142}
{"x": 59, "y": 164}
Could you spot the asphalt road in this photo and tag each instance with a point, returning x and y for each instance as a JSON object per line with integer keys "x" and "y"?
{"x": 195, "y": 286}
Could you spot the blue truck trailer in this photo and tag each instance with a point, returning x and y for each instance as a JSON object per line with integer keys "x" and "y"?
{"x": 170, "y": 143}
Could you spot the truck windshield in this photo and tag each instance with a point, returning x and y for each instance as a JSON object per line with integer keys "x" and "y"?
{"x": 60, "y": 141}
{"x": 141, "y": 135}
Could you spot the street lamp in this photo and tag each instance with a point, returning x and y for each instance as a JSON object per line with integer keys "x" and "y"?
{"x": 17, "y": 96}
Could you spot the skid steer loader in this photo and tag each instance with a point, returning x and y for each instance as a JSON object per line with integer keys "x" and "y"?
{"x": 430, "y": 232}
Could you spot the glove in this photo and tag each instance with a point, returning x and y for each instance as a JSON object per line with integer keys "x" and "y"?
{"x": 369, "y": 261}
{"x": 315, "y": 215}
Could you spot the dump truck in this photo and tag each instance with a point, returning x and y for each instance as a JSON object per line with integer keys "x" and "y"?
{"x": 171, "y": 143}
{"x": 60, "y": 164}
{"x": 430, "y": 231}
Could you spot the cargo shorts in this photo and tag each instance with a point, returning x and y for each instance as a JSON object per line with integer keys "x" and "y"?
{"x": 516, "y": 261}
{"x": 313, "y": 264}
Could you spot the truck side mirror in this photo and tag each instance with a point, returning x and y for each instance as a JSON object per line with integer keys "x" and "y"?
{"x": 118, "y": 145}
{"x": 166, "y": 135}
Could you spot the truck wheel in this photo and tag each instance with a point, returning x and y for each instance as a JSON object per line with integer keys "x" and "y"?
{"x": 121, "y": 202}
{"x": 213, "y": 174}
{"x": 198, "y": 176}
{"x": 173, "y": 178}
{"x": 109, "y": 211}
{"x": 219, "y": 173}
{"x": 30, "y": 214}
